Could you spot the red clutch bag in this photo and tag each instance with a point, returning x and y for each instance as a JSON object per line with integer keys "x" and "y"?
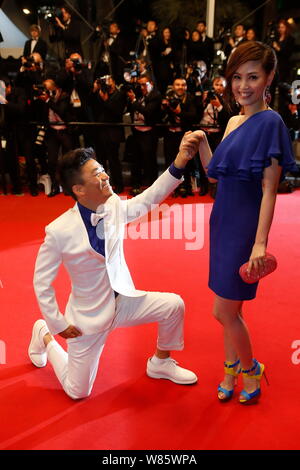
{"x": 270, "y": 264}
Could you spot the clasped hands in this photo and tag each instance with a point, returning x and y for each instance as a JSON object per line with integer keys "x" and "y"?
{"x": 189, "y": 146}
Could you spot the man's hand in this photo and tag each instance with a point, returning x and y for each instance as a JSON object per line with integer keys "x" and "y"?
{"x": 96, "y": 86}
{"x": 59, "y": 23}
{"x": 216, "y": 103}
{"x": 131, "y": 95}
{"x": 177, "y": 110}
{"x": 70, "y": 332}
{"x": 103, "y": 96}
{"x": 189, "y": 146}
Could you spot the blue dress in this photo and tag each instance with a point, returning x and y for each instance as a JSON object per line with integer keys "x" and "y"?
{"x": 238, "y": 164}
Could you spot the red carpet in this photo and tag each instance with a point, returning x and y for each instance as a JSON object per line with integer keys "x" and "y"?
{"x": 127, "y": 410}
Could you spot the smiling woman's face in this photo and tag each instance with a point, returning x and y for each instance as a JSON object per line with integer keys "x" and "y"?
{"x": 249, "y": 83}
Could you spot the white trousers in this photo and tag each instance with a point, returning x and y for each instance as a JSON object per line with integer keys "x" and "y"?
{"x": 76, "y": 369}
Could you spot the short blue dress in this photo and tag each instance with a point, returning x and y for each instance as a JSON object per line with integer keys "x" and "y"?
{"x": 238, "y": 164}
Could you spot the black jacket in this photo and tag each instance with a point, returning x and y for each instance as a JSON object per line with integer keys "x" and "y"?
{"x": 41, "y": 47}
{"x": 14, "y": 112}
{"x": 186, "y": 117}
{"x": 109, "y": 111}
{"x": 151, "y": 110}
{"x": 118, "y": 57}
{"x": 62, "y": 107}
{"x": 208, "y": 51}
{"x": 70, "y": 36}
{"x": 82, "y": 83}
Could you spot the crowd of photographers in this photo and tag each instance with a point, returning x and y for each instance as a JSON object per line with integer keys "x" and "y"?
{"x": 166, "y": 90}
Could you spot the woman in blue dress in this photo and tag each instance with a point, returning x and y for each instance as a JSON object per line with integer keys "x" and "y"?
{"x": 248, "y": 164}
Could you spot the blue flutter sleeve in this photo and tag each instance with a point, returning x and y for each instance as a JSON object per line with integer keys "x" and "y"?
{"x": 275, "y": 142}
{"x": 249, "y": 149}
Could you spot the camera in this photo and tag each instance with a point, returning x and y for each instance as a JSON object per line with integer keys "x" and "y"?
{"x": 40, "y": 90}
{"x": 135, "y": 87}
{"x": 132, "y": 69}
{"x": 211, "y": 95}
{"x": 77, "y": 64}
{"x": 172, "y": 99}
{"x": 198, "y": 70}
{"x": 272, "y": 34}
{"x": 49, "y": 13}
{"x": 102, "y": 82}
{"x": 29, "y": 63}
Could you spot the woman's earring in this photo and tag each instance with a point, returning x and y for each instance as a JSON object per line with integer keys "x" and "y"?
{"x": 268, "y": 95}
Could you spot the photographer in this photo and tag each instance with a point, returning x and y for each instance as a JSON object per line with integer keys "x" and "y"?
{"x": 12, "y": 114}
{"x": 236, "y": 40}
{"x": 30, "y": 74}
{"x": 196, "y": 78}
{"x": 197, "y": 82}
{"x": 180, "y": 113}
{"x": 18, "y": 136}
{"x": 68, "y": 31}
{"x": 214, "y": 112}
{"x": 145, "y": 108}
{"x": 76, "y": 80}
{"x": 284, "y": 47}
{"x": 207, "y": 43}
{"x": 117, "y": 51}
{"x": 55, "y": 107}
{"x": 216, "y": 115}
{"x": 108, "y": 106}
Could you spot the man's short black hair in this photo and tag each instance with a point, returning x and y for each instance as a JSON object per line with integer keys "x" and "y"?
{"x": 69, "y": 168}
{"x": 67, "y": 9}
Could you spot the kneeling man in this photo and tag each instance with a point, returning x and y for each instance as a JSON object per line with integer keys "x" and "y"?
{"x": 88, "y": 240}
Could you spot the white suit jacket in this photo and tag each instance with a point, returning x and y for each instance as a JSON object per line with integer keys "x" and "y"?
{"x": 94, "y": 278}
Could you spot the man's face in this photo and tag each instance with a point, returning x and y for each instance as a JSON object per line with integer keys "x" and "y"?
{"x": 95, "y": 188}
{"x": 114, "y": 29}
{"x": 201, "y": 28}
{"x": 111, "y": 83}
{"x": 180, "y": 87}
{"x": 219, "y": 86}
{"x": 34, "y": 34}
{"x": 239, "y": 31}
{"x": 151, "y": 26}
{"x": 146, "y": 85}
{"x": 66, "y": 16}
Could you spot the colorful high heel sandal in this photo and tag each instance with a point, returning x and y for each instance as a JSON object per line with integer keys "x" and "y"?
{"x": 251, "y": 398}
{"x": 229, "y": 369}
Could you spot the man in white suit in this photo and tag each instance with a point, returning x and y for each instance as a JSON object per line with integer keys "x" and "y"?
{"x": 88, "y": 240}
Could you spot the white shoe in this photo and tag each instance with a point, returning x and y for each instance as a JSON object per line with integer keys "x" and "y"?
{"x": 37, "y": 349}
{"x": 169, "y": 369}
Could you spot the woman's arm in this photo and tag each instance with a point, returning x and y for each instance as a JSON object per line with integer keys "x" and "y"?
{"x": 205, "y": 154}
{"x": 270, "y": 186}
